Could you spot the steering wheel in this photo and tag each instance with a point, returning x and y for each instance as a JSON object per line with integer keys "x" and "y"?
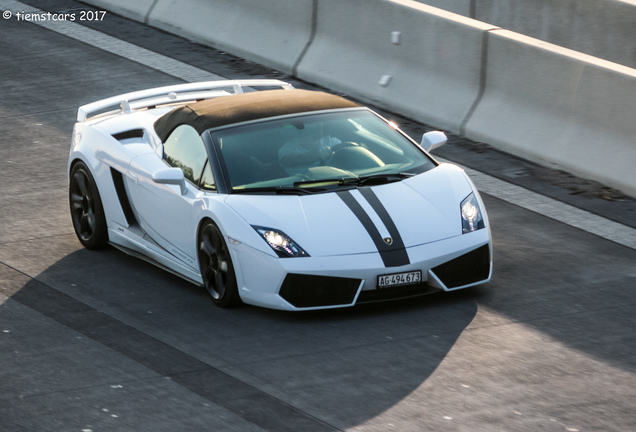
{"x": 342, "y": 145}
{"x": 336, "y": 148}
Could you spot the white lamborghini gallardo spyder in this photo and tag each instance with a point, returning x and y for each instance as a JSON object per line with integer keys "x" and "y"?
{"x": 274, "y": 196}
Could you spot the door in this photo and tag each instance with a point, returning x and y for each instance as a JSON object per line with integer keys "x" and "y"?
{"x": 163, "y": 210}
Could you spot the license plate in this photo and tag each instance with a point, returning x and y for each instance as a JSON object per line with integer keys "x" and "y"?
{"x": 398, "y": 279}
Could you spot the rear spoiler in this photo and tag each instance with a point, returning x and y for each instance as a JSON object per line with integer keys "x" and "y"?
{"x": 174, "y": 94}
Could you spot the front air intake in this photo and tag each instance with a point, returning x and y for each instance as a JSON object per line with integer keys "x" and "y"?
{"x": 304, "y": 291}
{"x": 467, "y": 269}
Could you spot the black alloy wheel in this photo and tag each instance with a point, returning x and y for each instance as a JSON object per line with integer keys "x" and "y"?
{"x": 87, "y": 212}
{"x": 216, "y": 267}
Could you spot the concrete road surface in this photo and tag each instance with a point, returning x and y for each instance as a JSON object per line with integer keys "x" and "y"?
{"x": 99, "y": 341}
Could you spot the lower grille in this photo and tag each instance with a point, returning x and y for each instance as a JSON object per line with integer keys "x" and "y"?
{"x": 303, "y": 291}
{"x": 464, "y": 270}
{"x": 395, "y": 293}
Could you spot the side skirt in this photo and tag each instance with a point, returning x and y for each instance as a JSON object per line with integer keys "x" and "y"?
{"x": 138, "y": 247}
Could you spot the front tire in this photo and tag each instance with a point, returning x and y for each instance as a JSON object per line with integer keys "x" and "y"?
{"x": 216, "y": 267}
{"x": 87, "y": 212}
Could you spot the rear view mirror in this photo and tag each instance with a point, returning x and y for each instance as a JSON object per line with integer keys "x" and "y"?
{"x": 433, "y": 140}
{"x": 173, "y": 176}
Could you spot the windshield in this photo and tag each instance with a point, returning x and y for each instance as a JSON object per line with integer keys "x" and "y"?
{"x": 316, "y": 153}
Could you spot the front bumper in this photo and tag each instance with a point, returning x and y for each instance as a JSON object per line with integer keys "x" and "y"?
{"x": 340, "y": 281}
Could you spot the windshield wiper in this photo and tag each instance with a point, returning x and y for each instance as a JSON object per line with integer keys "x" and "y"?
{"x": 378, "y": 179}
{"x": 375, "y": 179}
{"x": 329, "y": 181}
{"x": 278, "y": 190}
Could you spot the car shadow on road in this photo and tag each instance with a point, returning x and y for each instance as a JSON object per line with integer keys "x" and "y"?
{"x": 571, "y": 286}
{"x": 343, "y": 367}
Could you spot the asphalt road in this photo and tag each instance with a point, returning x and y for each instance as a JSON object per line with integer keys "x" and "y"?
{"x": 99, "y": 341}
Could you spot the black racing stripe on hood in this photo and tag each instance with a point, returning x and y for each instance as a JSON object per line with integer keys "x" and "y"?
{"x": 393, "y": 255}
{"x": 379, "y": 208}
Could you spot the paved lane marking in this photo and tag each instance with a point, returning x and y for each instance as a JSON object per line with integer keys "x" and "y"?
{"x": 113, "y": 45}
{"x": 554, "y": 209}
{"x": 213, "y": 384}
{"x": 487, "y": 184}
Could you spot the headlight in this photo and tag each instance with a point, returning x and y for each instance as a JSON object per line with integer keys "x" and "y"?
{"x": 472, "y": 219}
{"x": 284, "y": 246}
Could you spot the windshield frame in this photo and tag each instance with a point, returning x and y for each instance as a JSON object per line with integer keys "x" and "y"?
{"x": 212, "y": 138}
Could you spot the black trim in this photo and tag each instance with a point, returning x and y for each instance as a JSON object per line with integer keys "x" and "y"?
{"x": 118, "y": 180}
{"x": 133, "y": 133}
{"x": 393, "y": 255}
{"x": 216, "y": 163}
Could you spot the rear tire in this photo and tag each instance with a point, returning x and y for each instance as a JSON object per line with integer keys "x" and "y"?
{"x": 216, "y": 267}
{"x": 87, "y": 212}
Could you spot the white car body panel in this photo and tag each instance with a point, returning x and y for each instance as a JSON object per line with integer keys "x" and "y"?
{"x": 425, "y": 209}
{"x": 310, "y": 219}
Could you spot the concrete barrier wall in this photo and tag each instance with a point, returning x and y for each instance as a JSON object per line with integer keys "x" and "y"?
{"x": 602, "y": 28}
{"x": 273, "y": 33}
{"x": 528, "y": 97}
{"x": 462, "y": 7}
{"x": 431, "y": 71}
{"x": 559, "y": 107}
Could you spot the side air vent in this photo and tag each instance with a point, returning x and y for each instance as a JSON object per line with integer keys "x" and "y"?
{"x": 118, "y": 180}
{"x": 133, "y": 133}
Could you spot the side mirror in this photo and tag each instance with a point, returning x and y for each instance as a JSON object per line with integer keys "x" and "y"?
{"x": 433, "y": 140}
{"x": 172, "y": 176}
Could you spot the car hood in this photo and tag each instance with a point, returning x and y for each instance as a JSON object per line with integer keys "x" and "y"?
{"x": 418, "y": 210}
